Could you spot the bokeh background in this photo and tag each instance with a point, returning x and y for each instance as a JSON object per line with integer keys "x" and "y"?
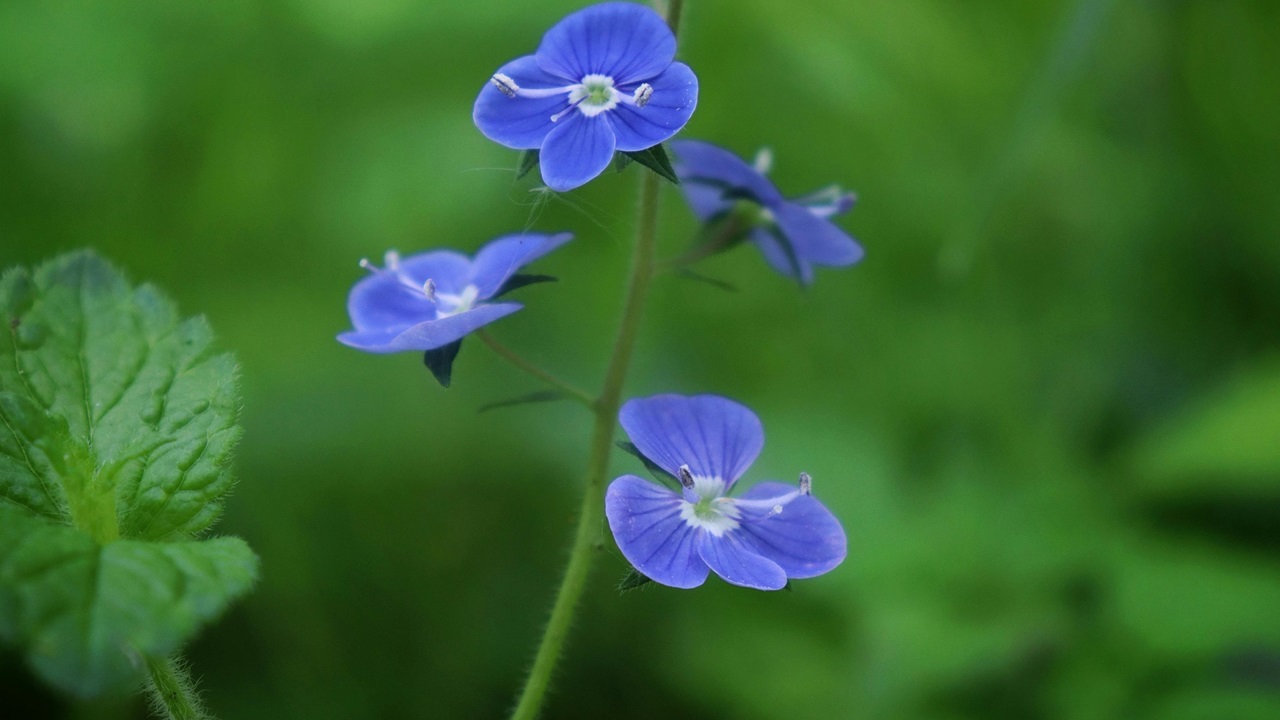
{"x": 1046, "y": 406}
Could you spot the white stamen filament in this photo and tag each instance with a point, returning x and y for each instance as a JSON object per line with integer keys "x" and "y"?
{"x": 566, "y": 111}
{"x": 366, "y": 265}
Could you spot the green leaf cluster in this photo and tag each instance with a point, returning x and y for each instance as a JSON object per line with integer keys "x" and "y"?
{"x": 117, "y": 423}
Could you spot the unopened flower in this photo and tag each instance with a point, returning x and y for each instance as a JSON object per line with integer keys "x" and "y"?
{"x": 602, "y": 80}
{"x": 793, "y": 234}
{"x": 429, "y": 300}
{"x": 760, "y": 539}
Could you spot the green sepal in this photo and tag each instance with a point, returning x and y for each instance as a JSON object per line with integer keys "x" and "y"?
{"x": 538, "y": 396}
{"x": 440, "y": 362}
{"x": 519, "y": 280}
{"x": 656, "y": 159}
{"x": 527, "y": 162}
{"x": 633, "y": 580}
{"x": 620, "y": 161}
{"x": 656, "y": 470}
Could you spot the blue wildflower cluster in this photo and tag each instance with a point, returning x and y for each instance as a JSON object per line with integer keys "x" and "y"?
{"x": 604, "y": 81}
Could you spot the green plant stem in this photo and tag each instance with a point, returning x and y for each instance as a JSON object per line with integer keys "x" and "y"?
{"x": 588, "y": 539}
{"x": 510, "y": 356}
{"x": 172, "y": 692}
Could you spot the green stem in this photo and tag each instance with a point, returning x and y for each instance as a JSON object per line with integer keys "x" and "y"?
{"x": 173, "y": 694}
{"x": 588, "y": 538}
{"x": 510, "y": 356}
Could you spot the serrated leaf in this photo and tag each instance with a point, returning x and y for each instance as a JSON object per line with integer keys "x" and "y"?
{"x": 528, "y": 161}
{"x": 87, "y": 613}
{"x": 145, "y": 409}
{"x": 656, "y": 470}
{"x": 656, "y": 159}
{"x": 117, "y": 421}
{"x": 539, "y": 396}
{"x": 440, "y": 362}
{"x": 517, "y": 281}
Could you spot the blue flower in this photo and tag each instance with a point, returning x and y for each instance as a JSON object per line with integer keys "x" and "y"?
{"x": 432, "y": 299}
{"x": 771, "y": 533}
{"x": 602, "y": 80}
{"x": 794, "y": 235}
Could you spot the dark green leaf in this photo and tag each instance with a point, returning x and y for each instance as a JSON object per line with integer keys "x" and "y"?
{"x": 528, "y": 161}
{"x": 440, "y": 361}
{"x": 515, "y": 282}
{"x": 621, "y": 161}
{"x": 539, "y": 396}
{"x": 713, "y": 282}
{"x": 655, "y": 158}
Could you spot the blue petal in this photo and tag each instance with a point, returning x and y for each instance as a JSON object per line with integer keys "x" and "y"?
{"x": 805, "y": 539}
{"x": 714, "y": 436}
{"x": 427, "y": 335}
{"x": 449, "y": 270}
{"x": 675, "y": 95}
{"x": 382, "y": 302}
{"x": 736, "y": 562}
{"x": 498, "y": 260}
{"x": 701, "y": 163}
{"x": 626, "y": 41}
{"x": 519, "y": 122}
{"x": 576, "y": 151}
{"x": 816, "y": 239}
{"x": 646, "y": 523}
{"x": 787, "y": 263}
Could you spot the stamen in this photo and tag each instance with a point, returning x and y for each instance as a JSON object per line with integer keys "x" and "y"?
{"x": 392, "y": 260}
{"x": 364, "y": 263}
{"x": 806, "y": 484}
{"x": 764, "y": 161}
{"x": 686, "y": 477}
{"x": 429, "y": 289}
{"x": 566, "y": 111}
{"x": 505, "y": 84}
{"x": 642, "y": 95}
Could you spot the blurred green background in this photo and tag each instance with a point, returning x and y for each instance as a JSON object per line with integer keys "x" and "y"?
{"x": 1046, "y": 407}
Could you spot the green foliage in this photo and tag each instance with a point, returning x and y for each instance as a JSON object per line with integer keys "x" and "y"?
{"x": 656, "y": 159}
{"x": 118, "y": 425}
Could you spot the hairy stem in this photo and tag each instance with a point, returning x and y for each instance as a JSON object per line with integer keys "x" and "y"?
{"x": 510, "y": 356}
{"x": 590, "y": 517}
{"x": 172, "y": 692}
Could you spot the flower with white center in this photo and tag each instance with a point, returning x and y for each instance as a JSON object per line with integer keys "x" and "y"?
{"x": 432, "y": 299}
{"x": 794, "y": 235}
{"x": 768, "y": 535}
{"x": 602, "y": 80}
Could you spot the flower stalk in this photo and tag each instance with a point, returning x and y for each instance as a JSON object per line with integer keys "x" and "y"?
{"x": 172, "y": 691}
{"x": 519, "y": 362}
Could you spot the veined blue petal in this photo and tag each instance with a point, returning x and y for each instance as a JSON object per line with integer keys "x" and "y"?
{"x": 382, "y": 301}
{"x": 646, "y": 523}
{"x": 816, "y": 239}
{"x": 738, "y": 564}
{"x": 626, "y": 41}
{"x": 449, "y": 270}
{"x": 576, "y": 151}
{"x": 701, "y": 163}
{"x": 521, "y": 123}
{"x": 500, "y": 259}
{"x": 785, "y": 261}
{"x": 427, "y": 335}
{"x": 804, "y": 539}
{"x": 714, "y": 436}
{"x": 675, "y": 95}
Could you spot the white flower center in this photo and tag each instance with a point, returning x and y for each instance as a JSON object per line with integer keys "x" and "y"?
{"x": 449, "y": 304}
{"x": 711, "y": 512}
{"x": 594, "y": 95}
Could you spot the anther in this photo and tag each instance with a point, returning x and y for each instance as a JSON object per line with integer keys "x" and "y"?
{"x": 429, "y": 289}
{"x": 806, "y": 484}
{"x": 505, "y": 84}
{"x": 686, "y": 477}
{"x": 764, "y": 161}
{"x": 642, "y": 95}
{"x": 392, "y": 260}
